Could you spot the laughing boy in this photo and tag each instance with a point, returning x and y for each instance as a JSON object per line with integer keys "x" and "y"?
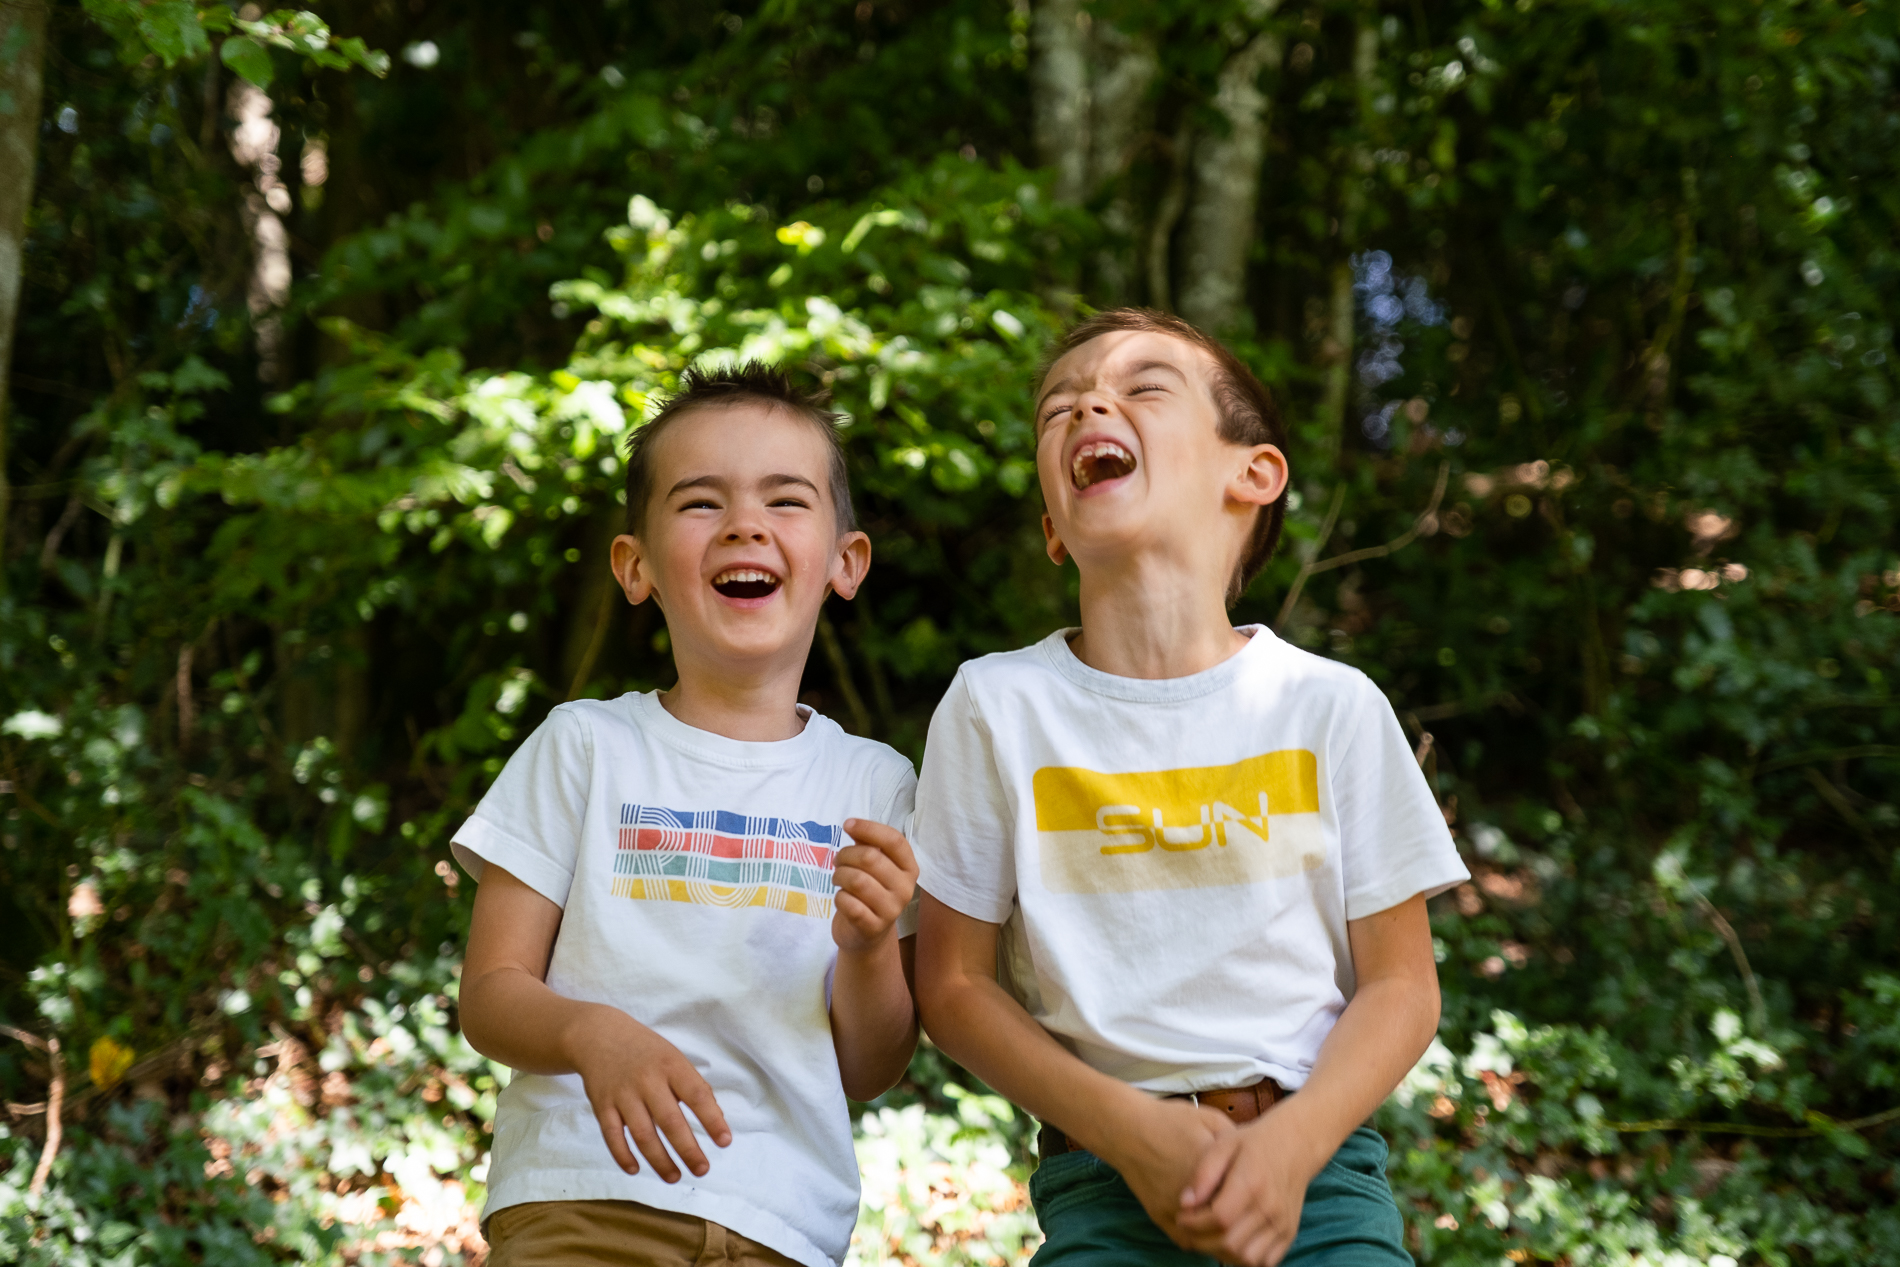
{"x": 1174, "y": 871}
{"x": 676, "y": 909}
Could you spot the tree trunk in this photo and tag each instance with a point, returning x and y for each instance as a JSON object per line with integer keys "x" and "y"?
{"x": 1122, "y": 71}
{"x": 1336, "y": 398}
{"x": 1060, "y": 81}
{"x": 254, "y": 144}
{"x": 1091, "y": 86}
{"x": 22, "y": 55}
{"x": 1227, "y": 173}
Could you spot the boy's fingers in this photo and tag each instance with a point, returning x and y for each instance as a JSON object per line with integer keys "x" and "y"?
{"x": 647, "y": 1140}
{"x": 1250, "y": 1229}
{"x": 697, "y": 1095}
{"x": 1210, "y": 1172}
{"x": 878, "y": 867}
{"x": 1266, "y": 1249}
{"x": 886, "y": 840}
{"x": 858, "y": 915}
{"x": 679, "y": 1134}
{"x": 614, "y": 1131}
{"x": 878, "y": 895}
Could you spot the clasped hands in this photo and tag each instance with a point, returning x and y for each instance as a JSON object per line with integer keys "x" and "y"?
{"x": 1234, "y": 1193}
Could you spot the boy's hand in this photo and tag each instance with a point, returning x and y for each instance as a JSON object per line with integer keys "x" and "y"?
{"x": 1243, "y": 1203}
{"x": 875, "y": 877}
{"x": 1160, "y": 1152}
{"x": 637, "y": 1081}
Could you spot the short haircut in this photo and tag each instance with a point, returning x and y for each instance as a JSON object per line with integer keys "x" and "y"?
{"x": 1247, "y": 413}
{"x": 709, "y": 388}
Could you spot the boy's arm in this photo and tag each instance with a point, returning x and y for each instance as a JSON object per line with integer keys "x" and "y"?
{"x": 1154, "y": 1143}
{"x": 873, "y": 1020}
{"x": 1243, "y": 1204}
{"x": 635, "y": 1079}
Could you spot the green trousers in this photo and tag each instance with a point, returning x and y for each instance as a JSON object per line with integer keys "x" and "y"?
{"x": 1091, "y": 1218}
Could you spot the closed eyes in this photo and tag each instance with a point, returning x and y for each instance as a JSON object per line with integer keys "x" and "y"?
{"x": 1136, "y": 390}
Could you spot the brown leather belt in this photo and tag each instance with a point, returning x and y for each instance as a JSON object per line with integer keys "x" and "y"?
{"x": 1242, "y": 1104}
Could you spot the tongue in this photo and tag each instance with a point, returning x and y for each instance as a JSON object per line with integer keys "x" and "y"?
{"x": 1105, "y": 467}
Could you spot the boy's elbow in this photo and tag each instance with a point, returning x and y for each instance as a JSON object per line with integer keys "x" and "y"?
{"x": 865, "y": 1082}
{"x": 939, "y": 997}
{"x": 1429, "y": 1007}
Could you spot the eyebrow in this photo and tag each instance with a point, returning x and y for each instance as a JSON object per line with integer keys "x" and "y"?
{"x": 719, "y": 482}
{"x": 1142, "y": 367}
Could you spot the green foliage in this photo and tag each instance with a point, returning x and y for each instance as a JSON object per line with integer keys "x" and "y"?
{"x": 263, "y": 643}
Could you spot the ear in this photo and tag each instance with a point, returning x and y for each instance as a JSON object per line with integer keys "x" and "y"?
{"x": 850, "y": 565}
{"x": 1263, "y": 479}
{"x": 1058, "y": 553}
{"x": 631, "y": 569}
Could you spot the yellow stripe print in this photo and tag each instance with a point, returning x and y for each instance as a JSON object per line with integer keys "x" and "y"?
{"x": 1257, "y": 819}
{"x": 702, "y": 893}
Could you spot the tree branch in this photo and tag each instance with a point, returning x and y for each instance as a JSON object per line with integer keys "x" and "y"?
{"x": 841, "y": 670}
{"x": 1831, "y": 754}
{"x": 1311, "y": 568}
{"x": 1757, "y": 1010}
{"x": 55, "y": 1101}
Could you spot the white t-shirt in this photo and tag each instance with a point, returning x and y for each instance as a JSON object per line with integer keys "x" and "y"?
{"x": 1174, "y": 861}
{"x": 694, "y": 876}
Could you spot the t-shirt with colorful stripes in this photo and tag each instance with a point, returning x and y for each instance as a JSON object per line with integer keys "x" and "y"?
{"x": 694, "y": 876}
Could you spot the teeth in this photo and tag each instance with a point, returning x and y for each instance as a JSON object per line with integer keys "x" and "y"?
{"x": 1093, "y": 450}
{"x": 740, "y": 576}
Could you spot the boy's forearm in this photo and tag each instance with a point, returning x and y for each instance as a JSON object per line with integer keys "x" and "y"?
{"x": 1375, "y": 1043}
{"x": 986, "y": 1031}
{"x": 873, "y": 1019}
{"x": 510, "y": 1016}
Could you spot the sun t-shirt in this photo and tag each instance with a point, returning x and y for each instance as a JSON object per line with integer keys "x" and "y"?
{"x": 1174, "y": 862}
{"x": 694, "y": 876}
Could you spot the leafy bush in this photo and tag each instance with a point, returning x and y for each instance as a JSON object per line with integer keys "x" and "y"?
{"x": 1613, "y": 524}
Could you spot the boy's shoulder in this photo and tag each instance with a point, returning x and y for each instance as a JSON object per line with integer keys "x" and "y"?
{"x": 875, "y": 754}
{"x": 1000, "y": 666}
{"x": 1282, "y": 660}
{"x": 630, "y": 715}
{"x": 1267, "y": 659}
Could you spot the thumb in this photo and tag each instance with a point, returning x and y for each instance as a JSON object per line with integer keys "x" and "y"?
{"x": 1212, "y": 1170}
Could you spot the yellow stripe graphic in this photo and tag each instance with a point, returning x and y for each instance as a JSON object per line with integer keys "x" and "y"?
{"x": 1173, "y": 829}
{"x": 704, "y": 893}
{"x": 1069, "y": 798}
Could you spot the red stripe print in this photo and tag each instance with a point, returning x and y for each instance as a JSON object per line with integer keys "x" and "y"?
{"x": 720, "y": 845}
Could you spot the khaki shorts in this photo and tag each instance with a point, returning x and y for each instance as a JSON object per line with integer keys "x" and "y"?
{"x": 615, "y": 1234}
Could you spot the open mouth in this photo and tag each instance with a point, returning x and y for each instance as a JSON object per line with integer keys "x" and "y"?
{"x": 745, "y": 583}
{"x": 1098, "y": 461}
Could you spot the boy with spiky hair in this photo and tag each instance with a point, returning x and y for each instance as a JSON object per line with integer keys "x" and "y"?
{"x": 677, "y": 906}
{"x": 1174, "y": 871}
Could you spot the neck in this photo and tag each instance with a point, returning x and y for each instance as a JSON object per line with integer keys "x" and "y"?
{"x": 1151, "y": 617}
{"x": 754, "y": 704}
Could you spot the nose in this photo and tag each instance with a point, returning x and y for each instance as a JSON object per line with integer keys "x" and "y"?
{"x": 1090, "y": 401}
{"x": 744, "y": 524}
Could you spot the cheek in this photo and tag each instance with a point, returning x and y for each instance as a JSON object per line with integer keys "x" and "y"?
{"x": 679, "y": 556}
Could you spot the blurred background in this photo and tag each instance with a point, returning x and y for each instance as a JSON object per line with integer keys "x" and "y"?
{"x": 324, "y": 333}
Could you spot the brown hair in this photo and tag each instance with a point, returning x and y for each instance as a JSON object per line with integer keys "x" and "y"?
{"x": 1247, "y": 412}
{"x": 752, "y": 381}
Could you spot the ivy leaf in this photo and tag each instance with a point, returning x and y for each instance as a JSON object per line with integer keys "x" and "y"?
{"x": 172, "y": 30}
{"x": 248, "y": 58}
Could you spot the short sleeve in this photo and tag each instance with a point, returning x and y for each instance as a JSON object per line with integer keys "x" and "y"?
{"x": 963, "y": 831}
{"x": 530, "y": 822}
{"x": 1392, "y": 837}
{"x": 899, "y": 809}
